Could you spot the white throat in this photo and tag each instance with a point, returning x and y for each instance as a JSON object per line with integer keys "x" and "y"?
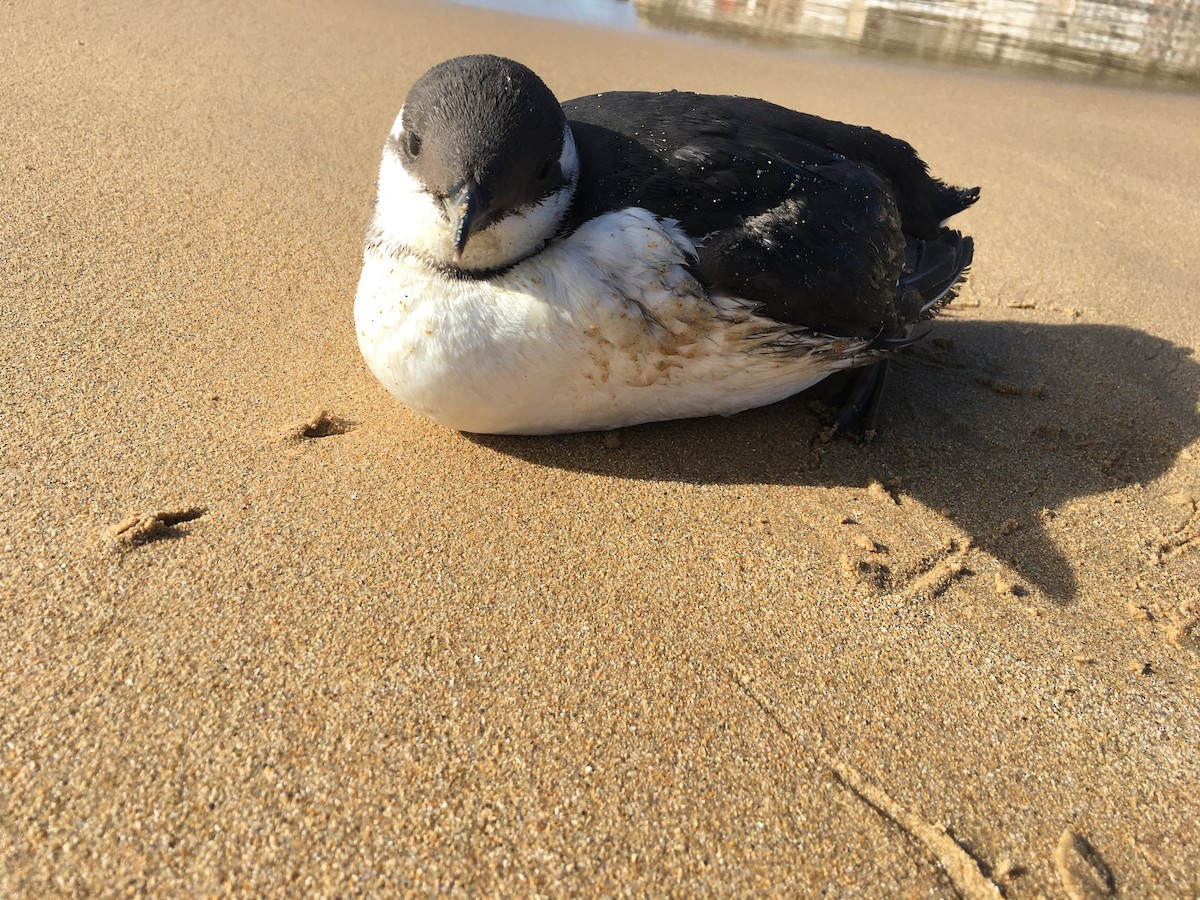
{"x": 408, "y": 219}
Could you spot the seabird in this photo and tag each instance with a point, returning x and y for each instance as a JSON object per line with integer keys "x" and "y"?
{"x": 627, "y": 257}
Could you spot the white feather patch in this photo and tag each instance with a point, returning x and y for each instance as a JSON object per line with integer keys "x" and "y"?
{"x": 602, "y": 329}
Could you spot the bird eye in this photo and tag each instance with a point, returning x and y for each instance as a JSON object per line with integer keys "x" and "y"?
{"x": 544, "y": 172}
{"x": 412, "y": 144}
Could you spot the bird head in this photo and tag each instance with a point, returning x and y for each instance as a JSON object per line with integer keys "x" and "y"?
{"x": 479, "y": 169}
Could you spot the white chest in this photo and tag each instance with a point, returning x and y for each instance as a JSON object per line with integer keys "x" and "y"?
{"x": 600, "y": 330}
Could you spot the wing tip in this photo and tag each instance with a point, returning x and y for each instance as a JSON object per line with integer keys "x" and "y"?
{"x": 964, "y": 255}
{"x": 956, "y": 200}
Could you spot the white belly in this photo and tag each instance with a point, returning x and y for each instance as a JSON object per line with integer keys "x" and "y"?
{"x": 600, "y": 330}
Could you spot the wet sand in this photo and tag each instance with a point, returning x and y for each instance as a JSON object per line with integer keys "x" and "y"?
{"x": 266, "y": 632}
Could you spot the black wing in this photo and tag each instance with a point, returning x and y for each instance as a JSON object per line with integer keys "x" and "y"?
{"x": 830, "y": 226}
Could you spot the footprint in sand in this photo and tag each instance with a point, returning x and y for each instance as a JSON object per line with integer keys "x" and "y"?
{"x": 135, "y": 530}
{"x": 323, "y": 424}
{"x": 1084, "y": 875}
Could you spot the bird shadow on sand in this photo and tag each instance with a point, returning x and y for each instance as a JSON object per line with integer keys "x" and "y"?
{"x": 997, "y": 422}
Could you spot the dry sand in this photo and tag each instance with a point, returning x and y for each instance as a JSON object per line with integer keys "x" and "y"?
{"x": 251, "y": 649}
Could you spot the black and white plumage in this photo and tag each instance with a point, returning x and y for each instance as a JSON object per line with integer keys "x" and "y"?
{"x": 629, "y": 257}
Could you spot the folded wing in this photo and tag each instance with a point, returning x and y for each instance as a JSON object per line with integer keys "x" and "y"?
{"x": 831, "y": 227}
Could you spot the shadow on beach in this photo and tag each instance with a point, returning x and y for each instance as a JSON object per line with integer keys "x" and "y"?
{"x": 996, "y": 422}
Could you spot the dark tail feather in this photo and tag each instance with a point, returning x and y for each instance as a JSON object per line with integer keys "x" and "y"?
{"x": 933, "y": 271}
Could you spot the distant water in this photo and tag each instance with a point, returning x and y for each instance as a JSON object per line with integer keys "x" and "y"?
{"x": 1152, "y": 42}
{"x": 617, "y": 13}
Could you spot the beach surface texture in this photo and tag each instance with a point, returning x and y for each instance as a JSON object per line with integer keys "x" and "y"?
{"x": 263, "y": 631}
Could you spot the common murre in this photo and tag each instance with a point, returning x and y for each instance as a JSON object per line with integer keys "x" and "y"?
{"x": 629, "y": 257}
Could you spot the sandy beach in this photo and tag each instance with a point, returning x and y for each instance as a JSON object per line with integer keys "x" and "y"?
{"x": 266, "y": 632}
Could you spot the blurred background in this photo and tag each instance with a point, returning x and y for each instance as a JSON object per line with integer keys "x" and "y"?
{"x": 1152, "y": 42}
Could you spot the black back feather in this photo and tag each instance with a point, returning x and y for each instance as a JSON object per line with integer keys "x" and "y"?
{"x": 832, "y": 227}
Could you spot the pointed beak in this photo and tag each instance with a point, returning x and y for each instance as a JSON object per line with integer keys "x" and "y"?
{"x": 467, "y": 208}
